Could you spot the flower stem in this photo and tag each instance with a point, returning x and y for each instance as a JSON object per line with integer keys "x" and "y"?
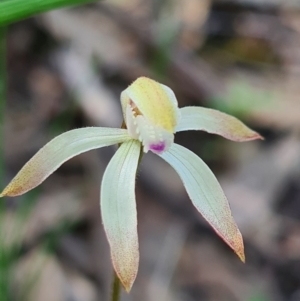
{"x": 116, "y": 288}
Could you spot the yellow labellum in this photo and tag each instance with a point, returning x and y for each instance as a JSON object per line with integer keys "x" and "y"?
{"x": 151, "y": 114}
{"x": 155, "y": 101}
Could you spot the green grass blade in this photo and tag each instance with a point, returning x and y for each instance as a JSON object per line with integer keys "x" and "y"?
{"x": 15, "y": 10}
{"x": 2, "y": 99}
{"x": 4, "y": 264}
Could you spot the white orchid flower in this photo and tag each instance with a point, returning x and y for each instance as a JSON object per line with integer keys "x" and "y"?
{"x": 152, "y": 117}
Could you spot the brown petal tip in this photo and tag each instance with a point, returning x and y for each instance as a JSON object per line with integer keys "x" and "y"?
{"x": 126, "y": 284}
{"x": 241, "y": 256}
{"x": 258, "y": 136}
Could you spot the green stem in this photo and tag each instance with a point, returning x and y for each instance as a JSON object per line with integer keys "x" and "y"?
{"x": 2, "y": 98}
{"x": 116, "y": 288}
{"x": 15, "y": 10}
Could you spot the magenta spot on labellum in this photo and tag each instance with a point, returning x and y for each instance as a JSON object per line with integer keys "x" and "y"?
{"x": 159, "y": 147}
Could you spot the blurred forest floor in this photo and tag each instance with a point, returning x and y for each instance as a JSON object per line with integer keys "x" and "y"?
{"x": 66, "y": 70}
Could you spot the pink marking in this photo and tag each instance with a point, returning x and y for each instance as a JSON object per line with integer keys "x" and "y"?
{"x": 158, "y": 148}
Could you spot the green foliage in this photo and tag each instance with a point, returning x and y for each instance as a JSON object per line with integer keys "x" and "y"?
{"x": 2, "y": 95}
{"x": 258, "y": 297}
{"x": 15, "y": 10}
{"x": 242, "y": 99}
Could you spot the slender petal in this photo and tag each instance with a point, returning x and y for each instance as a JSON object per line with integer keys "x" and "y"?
{"x": 206, "y": 195}
{"x": 59, "y": 150}
{"x": 118, "y": 209}
{"x": 215, "y": 122}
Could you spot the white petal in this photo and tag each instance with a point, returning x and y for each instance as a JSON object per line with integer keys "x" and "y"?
{"x": 118, "y": 209}
{"x": 172, "y": 98}
{"x": 206, "y": 194}
{"x": 215, "y": 122}
{"x": 58, "y": 151}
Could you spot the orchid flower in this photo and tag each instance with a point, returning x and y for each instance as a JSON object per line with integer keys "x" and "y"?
{"x": 152, "y": 117}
